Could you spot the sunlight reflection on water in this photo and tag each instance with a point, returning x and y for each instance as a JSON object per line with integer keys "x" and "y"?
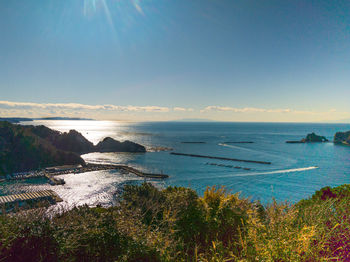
{"x": 91, "y": 188}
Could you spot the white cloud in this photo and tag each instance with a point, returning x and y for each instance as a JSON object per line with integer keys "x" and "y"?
{"x": 182, "y": 109}
{"x": 227, "y": 113}
{"x": 76, "y": 106}
{"x": 244, "y": 110}
{"x": 155, "y": 113}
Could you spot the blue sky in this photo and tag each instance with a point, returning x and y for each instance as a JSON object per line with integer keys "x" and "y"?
{"x": 168, "y": 59}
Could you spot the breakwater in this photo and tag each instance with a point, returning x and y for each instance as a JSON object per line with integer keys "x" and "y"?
{"x": 125, "y": 169}
{"x": 222, "y": 158}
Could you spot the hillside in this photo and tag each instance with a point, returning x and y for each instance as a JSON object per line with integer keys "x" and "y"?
{"x": 22, "y": 150}
{"x": 175, "y": 224}
{"x": 72, "y": 141}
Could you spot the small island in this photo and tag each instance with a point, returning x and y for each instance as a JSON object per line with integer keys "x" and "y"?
{"x": 310, "y": 138}
{"x": 342, "y": 138}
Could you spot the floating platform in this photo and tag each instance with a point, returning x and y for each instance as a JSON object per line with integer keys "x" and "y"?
{"x": 222, "y": 158}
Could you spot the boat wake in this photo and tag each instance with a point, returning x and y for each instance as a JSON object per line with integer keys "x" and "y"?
{"x": 283, "y": 171}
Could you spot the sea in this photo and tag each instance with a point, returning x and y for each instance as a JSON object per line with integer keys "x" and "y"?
{"x": 296, "y": 170}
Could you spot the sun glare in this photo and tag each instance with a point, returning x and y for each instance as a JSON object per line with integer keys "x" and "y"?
{"x": 91, "y": 7}
{"x": 119, "y": 14}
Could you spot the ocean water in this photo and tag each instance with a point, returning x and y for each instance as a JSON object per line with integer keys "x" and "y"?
{"x": 296, "y": 170}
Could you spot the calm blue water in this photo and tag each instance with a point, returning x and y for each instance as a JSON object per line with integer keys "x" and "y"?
{"x": 297, "y": 170}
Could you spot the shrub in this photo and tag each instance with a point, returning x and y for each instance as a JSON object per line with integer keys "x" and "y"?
{"x": 175, "y": 224}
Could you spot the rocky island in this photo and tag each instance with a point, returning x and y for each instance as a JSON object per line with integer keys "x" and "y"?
{"x": 342, "y": 138}
{"x": 24, "y": 148}
{"x": 310, "y": 138}
{"x": 110, "y": 145}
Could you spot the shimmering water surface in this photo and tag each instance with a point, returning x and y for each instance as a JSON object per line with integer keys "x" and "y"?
{"x": 297, "y": 170}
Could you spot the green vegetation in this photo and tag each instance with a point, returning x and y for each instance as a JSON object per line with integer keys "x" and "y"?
{"x": 342, "y": 138}
{"x": 314, "y": 138}
{"x": 175, "y": 224}
{"x": 22, "y": 150}
{"x": 25, "y": 148}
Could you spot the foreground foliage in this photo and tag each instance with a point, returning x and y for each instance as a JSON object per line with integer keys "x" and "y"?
{"x": 175, "y": 224}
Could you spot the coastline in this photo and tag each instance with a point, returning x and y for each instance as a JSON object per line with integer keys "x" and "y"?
{"x": 185, "y": 171}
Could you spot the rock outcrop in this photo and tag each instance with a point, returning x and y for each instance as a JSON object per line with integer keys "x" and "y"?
{"x": 314, "y": 138}
{"x": 310, "y": 138}
{"x": 342, "y": 138}
{"x": 110, "y": 145}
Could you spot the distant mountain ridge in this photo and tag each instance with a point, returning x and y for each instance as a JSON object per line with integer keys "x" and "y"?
{"x": 22, "y": 119}
{"x": 62, "y": 118}
{"x": 193, "y": 120}
{"x": 15, "y": 119}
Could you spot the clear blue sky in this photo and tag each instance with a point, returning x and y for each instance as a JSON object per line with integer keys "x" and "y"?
{"x": 218, "y": 59}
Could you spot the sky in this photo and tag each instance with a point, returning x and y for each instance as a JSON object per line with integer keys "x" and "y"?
{"x": 144, "y": 60}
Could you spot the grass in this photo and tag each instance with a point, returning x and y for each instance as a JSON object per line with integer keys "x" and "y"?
{"x": 175, "y": 224}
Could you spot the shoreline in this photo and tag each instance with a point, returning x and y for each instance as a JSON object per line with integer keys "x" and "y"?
{"x": 62, "y": 170}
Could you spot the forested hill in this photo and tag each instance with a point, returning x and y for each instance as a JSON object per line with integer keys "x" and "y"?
{"x": 24, "y": 148}
{"x": 21, "y": 149}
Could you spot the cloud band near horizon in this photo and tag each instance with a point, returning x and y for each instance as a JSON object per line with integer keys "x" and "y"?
{"x": 107, "y": 111}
